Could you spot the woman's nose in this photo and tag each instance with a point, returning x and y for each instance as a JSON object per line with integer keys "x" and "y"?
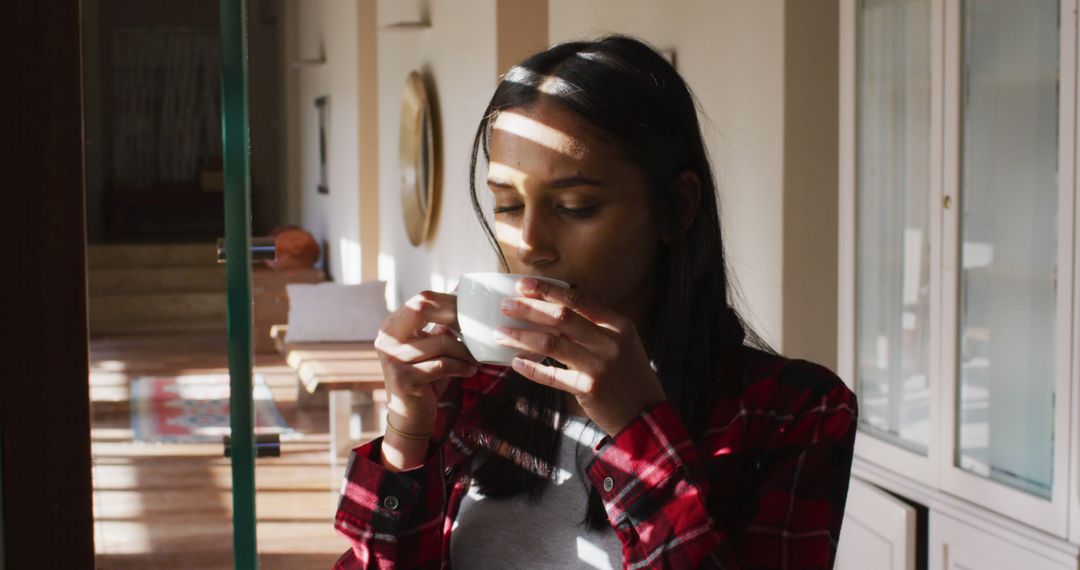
{"x": 536, "y": 245}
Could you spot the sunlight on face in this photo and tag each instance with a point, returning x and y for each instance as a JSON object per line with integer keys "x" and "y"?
{"x": 569, "y": 206}
{"x": 525, "y": 126}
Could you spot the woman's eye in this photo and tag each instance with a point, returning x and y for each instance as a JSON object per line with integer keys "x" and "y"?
{"x": 578, "y": 212}
{"x": 565, "y": 210}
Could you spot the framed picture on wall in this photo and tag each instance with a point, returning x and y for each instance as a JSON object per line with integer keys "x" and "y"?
{"x": 321, "y": 104}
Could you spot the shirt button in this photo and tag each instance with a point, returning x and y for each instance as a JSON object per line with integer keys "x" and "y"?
{"x": 609, "y": 484}
{"x": 447, "y": 472}
{"x": 391, "y": 503}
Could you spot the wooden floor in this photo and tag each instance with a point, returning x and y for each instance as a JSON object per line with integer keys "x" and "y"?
{"x": 169, "y": 505}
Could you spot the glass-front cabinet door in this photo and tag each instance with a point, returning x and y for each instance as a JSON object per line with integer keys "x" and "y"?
{"x": 958, "y": 234}
{"x": 1010, "y": 125}
{"x": 1008, "y": 243}
{"x": 893, "y": 222}
{"x": 892, "y": 233}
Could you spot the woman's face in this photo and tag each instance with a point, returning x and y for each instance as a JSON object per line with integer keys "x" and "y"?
{"x": 569, "y": 206}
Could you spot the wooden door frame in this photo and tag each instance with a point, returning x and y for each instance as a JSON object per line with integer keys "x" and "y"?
{"x": 44, "y": 395}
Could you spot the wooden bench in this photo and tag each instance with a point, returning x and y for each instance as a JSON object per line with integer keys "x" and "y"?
{"x": 352, "y": 376}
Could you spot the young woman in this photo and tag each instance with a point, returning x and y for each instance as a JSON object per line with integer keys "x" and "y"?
{"x": 654, "y": 430}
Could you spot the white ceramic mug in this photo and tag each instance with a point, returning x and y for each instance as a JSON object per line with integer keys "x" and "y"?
{"x": 479, "y": 297}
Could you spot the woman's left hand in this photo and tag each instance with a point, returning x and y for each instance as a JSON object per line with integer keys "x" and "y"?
{"x": 607, "y": 370}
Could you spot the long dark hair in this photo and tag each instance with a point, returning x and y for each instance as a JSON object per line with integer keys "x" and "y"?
{"x": 630, "y": 91}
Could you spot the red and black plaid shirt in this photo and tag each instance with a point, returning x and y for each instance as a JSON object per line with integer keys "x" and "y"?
{"x": 764, "y": 487}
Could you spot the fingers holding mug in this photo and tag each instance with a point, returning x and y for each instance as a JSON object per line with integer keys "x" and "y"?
{"x": 423, "y": 308}
{"x": 427, "y": 347}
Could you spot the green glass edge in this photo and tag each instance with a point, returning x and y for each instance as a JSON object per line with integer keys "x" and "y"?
{"x": 235, "y": 144}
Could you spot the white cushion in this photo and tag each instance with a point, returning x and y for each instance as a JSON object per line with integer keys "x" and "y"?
{"x": 332, "y": 312}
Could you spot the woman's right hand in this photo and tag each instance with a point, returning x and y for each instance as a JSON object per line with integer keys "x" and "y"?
{"x": 418, "y": 364}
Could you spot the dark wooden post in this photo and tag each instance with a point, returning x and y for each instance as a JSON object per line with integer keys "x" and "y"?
{"x": 44, "y": 391}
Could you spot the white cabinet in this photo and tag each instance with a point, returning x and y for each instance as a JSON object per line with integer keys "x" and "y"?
{"x": 958, "y": 546}
{"x": 877, "y": 527}
{"x": 959, "y": 324}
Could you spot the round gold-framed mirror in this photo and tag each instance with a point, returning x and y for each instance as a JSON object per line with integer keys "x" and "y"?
{"x": 417, "y": 160}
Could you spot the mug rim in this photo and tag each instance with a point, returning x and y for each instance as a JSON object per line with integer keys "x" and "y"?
{"x": 553, "y": 280}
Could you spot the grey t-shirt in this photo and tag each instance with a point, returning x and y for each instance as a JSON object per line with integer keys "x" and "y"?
{"x": 512, "y": 533}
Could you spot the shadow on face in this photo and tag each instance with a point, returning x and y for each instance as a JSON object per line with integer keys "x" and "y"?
{"x": 569, "y": 206}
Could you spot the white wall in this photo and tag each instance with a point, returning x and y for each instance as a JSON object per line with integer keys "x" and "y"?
{"x": 731, "y": 52}
{"x": 334, "y": 218}
{"x": 458, "y": 54}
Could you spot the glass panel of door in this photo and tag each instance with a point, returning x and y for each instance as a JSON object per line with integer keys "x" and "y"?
{"x": 893, "y": 221}
{"x": 1008, "y": 242}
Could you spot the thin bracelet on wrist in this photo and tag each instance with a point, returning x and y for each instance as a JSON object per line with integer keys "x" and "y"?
{"x": 406, "y": 435}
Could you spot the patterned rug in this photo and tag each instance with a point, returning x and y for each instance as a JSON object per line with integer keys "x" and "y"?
{"x": 194, "y": 408}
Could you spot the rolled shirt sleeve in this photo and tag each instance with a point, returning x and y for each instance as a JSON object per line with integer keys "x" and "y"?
{"x": 653, "y": 501}
{"x": 391, "y": 519}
